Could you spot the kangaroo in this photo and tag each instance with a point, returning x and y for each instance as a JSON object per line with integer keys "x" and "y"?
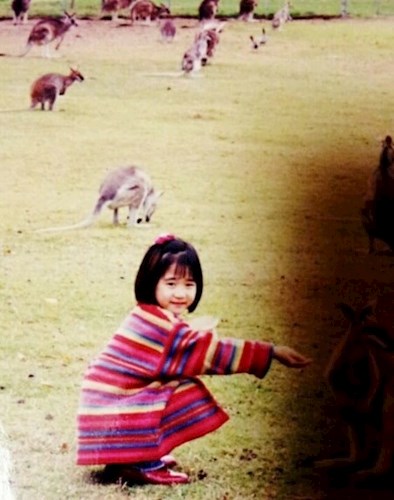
{"x": 281, "y": 17}
{"x": 203, "y": 48}
{"x": 386, "y": 158}
{"x": 208, "y": 10}
{"x": 246, "y": 10}
{"x": 377, "y": 213}
{"x": 48, "y": 30}
{"x": 49, "y": 86}
{"x": 146, "y": 10}
{"x": 20, "y": 10}
{"x": 360, "y": 374}
{"x": 257, "y": 43}
{"x": 123, "y": 187}
{"x": 113, "y": 7}
{"x": 167, "y": 30}
{"x": 193, "y": 57}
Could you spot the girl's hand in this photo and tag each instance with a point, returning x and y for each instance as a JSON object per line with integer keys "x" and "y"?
{"x": 289, "y": 357}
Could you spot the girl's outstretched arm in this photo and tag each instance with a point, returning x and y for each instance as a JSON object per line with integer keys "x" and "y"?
{"x": 290, "y": 357}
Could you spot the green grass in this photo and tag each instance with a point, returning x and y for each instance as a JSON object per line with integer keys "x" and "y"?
{"x": 263, "y": 161}
{"x": 265, "y": 8}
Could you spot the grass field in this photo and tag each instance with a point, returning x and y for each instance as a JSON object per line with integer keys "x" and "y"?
{"x": 263, "y": 160}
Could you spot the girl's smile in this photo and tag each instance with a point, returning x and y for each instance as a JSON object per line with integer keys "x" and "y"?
{"x": 176, "y": 292}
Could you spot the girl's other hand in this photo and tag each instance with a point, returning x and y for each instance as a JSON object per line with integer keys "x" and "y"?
{"x": 290, "y": 357}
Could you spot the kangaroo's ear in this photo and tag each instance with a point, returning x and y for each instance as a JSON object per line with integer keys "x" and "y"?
{"x": 347, "y": 311}
{"x": 368, "y": 310}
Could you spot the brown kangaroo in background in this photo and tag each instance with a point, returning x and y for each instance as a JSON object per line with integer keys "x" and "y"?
{"x": 113, "y": 7}
{"x": 246, "y": 10}
{"x": 207, "y": 10}
{"x": 20, "y": 9}
{"x": 49, "y": 86}
{"x": 48, "y": 30}
{"x": 145, "y": 10}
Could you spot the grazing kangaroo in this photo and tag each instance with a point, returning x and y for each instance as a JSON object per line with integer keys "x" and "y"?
{"x": 20, "y": 10}
{"x": 203, "y": 47}
{"x": 49, "y": 86}
{"x": 208, "y": 10}
{"x": 193, "y": 57}
{"x": 360, "y": 374}
{"x": 145, "y": 10}
{"x": 113, "y": 7}
{"x": 246, "y": 10}
{"x": 48, "y": 30}
{"x": 123, "y": 187}
{"x": 282, "y": 16}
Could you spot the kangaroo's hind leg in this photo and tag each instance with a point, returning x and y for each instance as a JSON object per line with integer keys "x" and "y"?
{"x": 115, "y": 219}
{"x": 50, "y": 96}
{"x": 357, "y": 452}
{"x": 59, "y": 42}
{"x": 385, "y": 442}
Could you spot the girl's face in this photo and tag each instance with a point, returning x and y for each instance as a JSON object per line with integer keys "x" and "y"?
{"x": 175, "y": 292}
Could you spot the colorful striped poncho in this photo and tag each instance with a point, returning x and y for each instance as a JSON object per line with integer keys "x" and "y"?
{"x": 141, "y": 397}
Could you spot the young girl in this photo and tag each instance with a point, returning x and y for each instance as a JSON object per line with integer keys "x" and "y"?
{"x": 142, "y": 397}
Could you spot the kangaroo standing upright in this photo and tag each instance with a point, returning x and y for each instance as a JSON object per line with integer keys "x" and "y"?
{"x": 360, "y": 374}
{"x": 20, "y": 9}
{"x": 48, "y": 30}
{"x": 49, "y": 86}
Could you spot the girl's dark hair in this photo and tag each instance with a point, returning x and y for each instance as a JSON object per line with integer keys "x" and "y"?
{"x": 158, "y": 258}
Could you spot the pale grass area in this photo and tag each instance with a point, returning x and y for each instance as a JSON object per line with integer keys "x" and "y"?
{"x": 263, "y": 160}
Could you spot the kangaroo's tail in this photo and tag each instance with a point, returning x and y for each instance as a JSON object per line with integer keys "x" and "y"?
{"x": 80, "y": 225}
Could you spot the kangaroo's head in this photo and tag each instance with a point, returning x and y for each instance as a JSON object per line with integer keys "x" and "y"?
{"x": 76, "y": 75}
{"x": 163, "y": 11}
{"x": 150, "y": 204}
{"x": 70, "y": 19}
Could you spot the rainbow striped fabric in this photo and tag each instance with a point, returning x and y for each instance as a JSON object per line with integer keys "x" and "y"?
{"x": 142, "y": 396}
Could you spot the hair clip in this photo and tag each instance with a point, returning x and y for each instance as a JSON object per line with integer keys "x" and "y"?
{"x": 164, "y": 238}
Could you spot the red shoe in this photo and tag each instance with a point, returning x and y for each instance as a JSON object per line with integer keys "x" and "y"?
{"x": 130, "y": 474}
{"x": 162, "y": 476}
